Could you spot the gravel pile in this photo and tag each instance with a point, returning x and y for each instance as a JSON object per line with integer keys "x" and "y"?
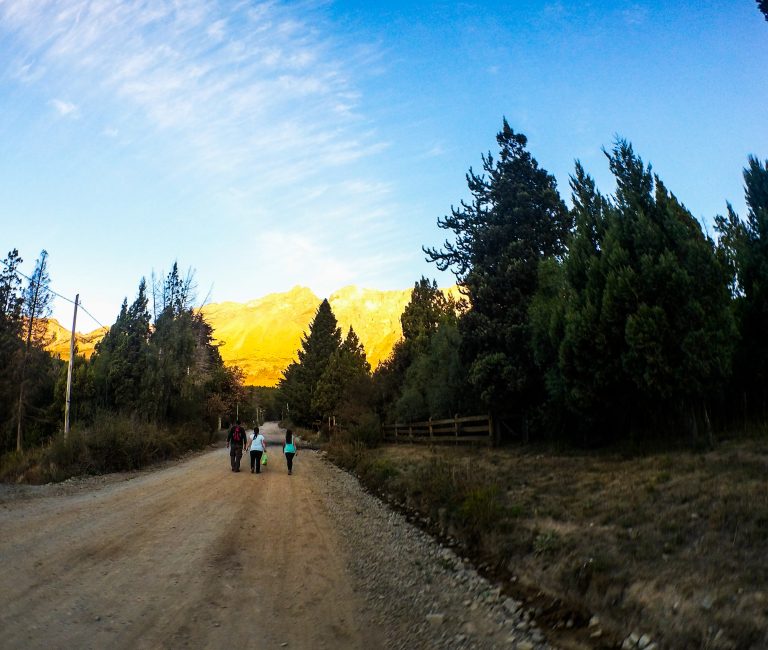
{"x": 420, "y": 593}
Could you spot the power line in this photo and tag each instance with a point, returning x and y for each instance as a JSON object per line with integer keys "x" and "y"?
{"x": 56, "y": 293}
{"x": 92, "y": 316}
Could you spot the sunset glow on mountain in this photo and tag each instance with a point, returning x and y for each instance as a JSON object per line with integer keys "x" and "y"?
{"x": 262, "y": 336}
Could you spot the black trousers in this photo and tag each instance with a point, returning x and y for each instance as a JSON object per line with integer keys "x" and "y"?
{"x": 235, "y": 454}
{"x": 256, "y": 458}
{"x": 289, "y": 459}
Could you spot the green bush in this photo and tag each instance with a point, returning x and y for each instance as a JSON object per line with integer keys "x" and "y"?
{"x": 546, "y": 543}
{"x": 18, "y": 466}
{"x": 109, "y": 444}
{"x": 481, "y": 509}
{"x": 345, "y": 452}
{"x": 378, "y": 472}
{"x": 366, "y": 429}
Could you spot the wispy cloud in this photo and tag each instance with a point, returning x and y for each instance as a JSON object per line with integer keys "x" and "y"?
{"x": 252, "y": 86}
{"x": 435, "y": 151}
{"x": 64, "y": 108}
{"x": 259, "y": 103}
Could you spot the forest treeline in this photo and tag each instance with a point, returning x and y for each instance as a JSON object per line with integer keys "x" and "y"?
{"x": 616, "y": 318}
{"x": 155, "y": 385}
{"x": 619, "y": 318}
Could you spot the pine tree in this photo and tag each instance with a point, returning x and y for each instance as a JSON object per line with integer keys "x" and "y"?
{"x": 11, "y": 300}
{"x": 423, "y": 313}
{"x": 647, "y": 329}
{"x": 435, "y": 383}
{"x": 420, "y": 321}
{"x": 300, "y": 378}
{"x": 743, "y": 245}
{"x": 11, "y": 324}
{"x": 588, "y": 378}
{"x": 120, "y": 362}
{"x": 347, "y": 366}
{"x": 36, "y": 308}
{"x": 515, "y": 220}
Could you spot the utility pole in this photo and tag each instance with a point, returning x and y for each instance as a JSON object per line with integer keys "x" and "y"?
{"x": 69, "y": 369}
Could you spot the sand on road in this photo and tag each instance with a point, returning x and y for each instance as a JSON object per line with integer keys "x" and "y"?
{"x": 192, "y": 555}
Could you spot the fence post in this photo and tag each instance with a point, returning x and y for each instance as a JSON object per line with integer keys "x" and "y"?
{"x": 430, "y": 430}
{"x": 456, "y": 426}
{"x": 410, "y": 432}
{"x": 395, "y": 432}
{"x": 490, "y": 430}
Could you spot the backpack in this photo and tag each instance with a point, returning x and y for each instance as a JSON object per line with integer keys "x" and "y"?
{"x": 237, "y": 435}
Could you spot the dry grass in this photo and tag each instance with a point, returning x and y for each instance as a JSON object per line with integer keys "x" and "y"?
{"x": 674, "y": 544}
{"x": 109, "y": 444}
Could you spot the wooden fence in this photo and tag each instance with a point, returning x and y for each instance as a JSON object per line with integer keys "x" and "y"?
{"x": 474, "y": 428}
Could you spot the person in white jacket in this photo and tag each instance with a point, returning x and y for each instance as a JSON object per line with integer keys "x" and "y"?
{"x": 258, "y": 447}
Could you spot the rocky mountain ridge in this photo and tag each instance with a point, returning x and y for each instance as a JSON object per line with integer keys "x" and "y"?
{"x": 263, "y": 335}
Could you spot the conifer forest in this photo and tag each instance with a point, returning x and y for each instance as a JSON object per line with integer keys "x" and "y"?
{"x": 615, "y": 316}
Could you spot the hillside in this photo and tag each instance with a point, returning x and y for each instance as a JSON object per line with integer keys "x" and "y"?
{"x": 263, "y": 335}
{"x": 59, "y": 340}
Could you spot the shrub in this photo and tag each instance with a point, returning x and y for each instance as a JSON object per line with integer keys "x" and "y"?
{"x": 108, "y": 444}
{"x": 378, "y": 472}
{"x": 481, "y": 509}
{"x": 20, "y": 466}
{"x": 546, "y": 543}
{"x": 366, "y": 429}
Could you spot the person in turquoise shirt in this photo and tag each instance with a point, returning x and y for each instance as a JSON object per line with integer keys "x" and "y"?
{"x": 289, "y": 449}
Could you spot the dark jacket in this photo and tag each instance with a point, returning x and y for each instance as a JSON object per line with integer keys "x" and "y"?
{"x": 231, "y": 437}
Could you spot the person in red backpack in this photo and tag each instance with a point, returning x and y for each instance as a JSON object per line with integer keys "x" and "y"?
{"x": 236, "y": 443}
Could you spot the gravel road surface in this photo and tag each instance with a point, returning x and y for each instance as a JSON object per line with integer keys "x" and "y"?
{"x": 194, "y": 555}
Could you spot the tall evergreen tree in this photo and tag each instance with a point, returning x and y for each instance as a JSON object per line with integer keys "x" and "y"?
{"x": 121, "y": 359}
{"x": 423, "y": 314}
{"x": 515, "y": 220}
{"x": 646, "y": 329}
{"x": 11, "y": 324}
{"x": 420, "y": 321}
{"x": 300, "y": 378}
{"x": 744, "y": 247}
{"x": 347, "y": 366}
{"x": 36, "y": 308}
{"x": 37, "y": 302}
{"x": 11, "y": 300}
{"x": 435, "y": 384}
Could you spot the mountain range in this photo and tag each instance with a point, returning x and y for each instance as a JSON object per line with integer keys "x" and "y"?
{"x": 262, "y": 336}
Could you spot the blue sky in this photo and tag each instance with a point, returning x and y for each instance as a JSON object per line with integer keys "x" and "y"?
{"x": 316, "y": 143}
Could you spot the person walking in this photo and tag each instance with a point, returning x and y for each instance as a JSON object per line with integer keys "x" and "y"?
{"x": 289, "y": 449}
{"x": 258, "y": 447}
{"x": 236, "y": 439}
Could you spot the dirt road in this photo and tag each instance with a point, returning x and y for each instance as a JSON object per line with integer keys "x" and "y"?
{"x": 192, "y": 555}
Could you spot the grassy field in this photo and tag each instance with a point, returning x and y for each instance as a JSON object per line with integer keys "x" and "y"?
{"x": 673, "y": 545}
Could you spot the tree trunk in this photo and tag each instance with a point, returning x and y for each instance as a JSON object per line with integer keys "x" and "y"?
{"x": 708, "y": 427}
{"x": 744, "y": 406}
{"x": 20, "y": 413}
{"x": 694, "y": 426}
{"x": 32, "y": 311}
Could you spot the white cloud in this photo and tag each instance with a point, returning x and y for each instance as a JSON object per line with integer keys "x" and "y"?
{"x": 248, "y": 84}
{"x": 63, "y": 108}
{"x": 434, "y": 151}
{"x": 255, "y": 106}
